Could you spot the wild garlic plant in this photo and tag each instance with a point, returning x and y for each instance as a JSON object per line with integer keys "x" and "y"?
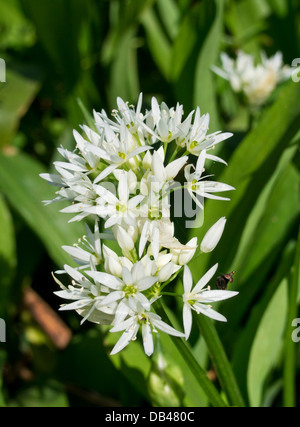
{"x": 119, "y": 180}
{"x": 255, "y": 82}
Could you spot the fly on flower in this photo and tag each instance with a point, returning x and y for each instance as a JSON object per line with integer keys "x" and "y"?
{"x": 222, "y": 281}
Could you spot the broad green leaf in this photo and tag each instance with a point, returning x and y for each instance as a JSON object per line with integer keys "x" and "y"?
{"x": 124, "y": 16}
{"x": 244, "y": 340}
{"x": 49, "y": 395}
{"x": 132, "y": 362}
{"x": 259, "y": 263}
{"x": 7, "y": 255}
{"x": 290, "y": 374}
{"x": 136, "y": 367}
{"x": 280, "y": 214}
{"x": 247, "y": 241}
{"x": 194, "y": 395}
{"x": 279, "y": 6}
{"x": 3, "y": 358}
{"x": 124, "y": 75}
{"x": 166, "y": 380}
{"x": 183, "y": 44}
{"x": 247, "y": 16}
{"x": 16, "y": 31}
{"x": 158, "y": 43}
{"x": 170, "y": 16}
{"x": 267, "y": 344}
{"x": 25, "y": 190}
{"x": 250, "y": 168}
{"x": 204, "y": 95}
{"x": 16, "y": 95}
{"x": 85, "y": 365}
{"x": 51, "y": 18}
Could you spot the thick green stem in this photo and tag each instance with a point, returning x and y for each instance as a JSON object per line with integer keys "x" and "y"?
{"x": 205, "y": 383}
{"x": 220, "y": 361}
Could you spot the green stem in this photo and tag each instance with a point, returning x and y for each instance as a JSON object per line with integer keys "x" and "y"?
{"x": 171, "y": 278}
{"x": 177, "y": 149}
{"x": 171, "y": 294}
{"x": 289, "y": 369}
{"x": 220, "y": 361}
{"x": 165, "y": 148}
{"x": 205, "y": 383}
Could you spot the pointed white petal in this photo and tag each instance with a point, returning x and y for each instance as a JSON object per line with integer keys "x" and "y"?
{"x": 187, "y": 320}
{"x": 106, "y": 279}
{"x": 205, "y": 279}
{"x": 187, "y": 280}
{"x": 147, "y": 339}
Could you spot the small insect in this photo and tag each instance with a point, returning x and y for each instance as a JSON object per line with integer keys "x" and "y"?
{"x": 222, "y": 281}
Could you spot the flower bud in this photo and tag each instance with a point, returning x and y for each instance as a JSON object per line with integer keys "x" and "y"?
{"x": 133, "y": 232}
{"x": 213, "y": 236}
{"x": 112, "y": 263}
{"x": 184, "y": 256}
{"x": 124, "y": 239}
{"x": 166, "y": 272}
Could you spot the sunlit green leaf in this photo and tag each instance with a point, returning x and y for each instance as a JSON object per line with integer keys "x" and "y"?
{"x": 7, "y": 254}
{"x": 25, "y": 190}
{"x": 249, "y": 170}
{"x": 158, "y": 42}
{"x": 267, "y": 344}
{"x": 170, "y": 16}
{"x": 16, "y": 95}
{"x": 204, "y": 95}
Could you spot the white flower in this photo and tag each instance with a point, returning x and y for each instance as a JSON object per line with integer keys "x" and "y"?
{"x": 195, "y": 136}
{"x": 166, "y": 120}
{"x": 256, "y": 82}
{"x": 87, "y": 298}
{"x": 128, "y": 289}
{"x": 213, "y": 236}
{"x": 197, "y": 187}
{"x": 88, "y": 248}
{"x": 139, "y": 317}
{"x": 199, "y": 299}
{"x": 120, "y": 210}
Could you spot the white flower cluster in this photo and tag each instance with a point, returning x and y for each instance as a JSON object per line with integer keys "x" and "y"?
{"x": 256, "y": 82}
{"x": 120, "y": 176}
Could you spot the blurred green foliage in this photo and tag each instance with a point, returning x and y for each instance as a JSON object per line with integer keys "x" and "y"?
{"x": 62, "y": 55}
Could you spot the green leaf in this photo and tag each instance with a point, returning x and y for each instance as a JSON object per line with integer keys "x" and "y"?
{"x": 246, "y": 17}
{"x": 16, "y": 95}
{"x": 290, "y": 392}
{"x": 265, "y": 244}
{"x": 183, "y": 44}
{"x": 25, "y": 190}
{"x": 51, "y": 18}
{"x": 279, "y": 6}
{"x": 267, "y": 344}
{"x": 170, "y": 16}
{"x": 204, "y": 95}
{"x": 158, "y": 43}
{"x": 124, "y": 74}
{"x": 16, "y": 31}
{"x": 132, "y": 362}
{"x": 249, "y": 170}
{"x": 3, "y": 358}
{"x": 48, "y": 395}
{"x": 244, "y": 340}
{"x": 7, "y": 255}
